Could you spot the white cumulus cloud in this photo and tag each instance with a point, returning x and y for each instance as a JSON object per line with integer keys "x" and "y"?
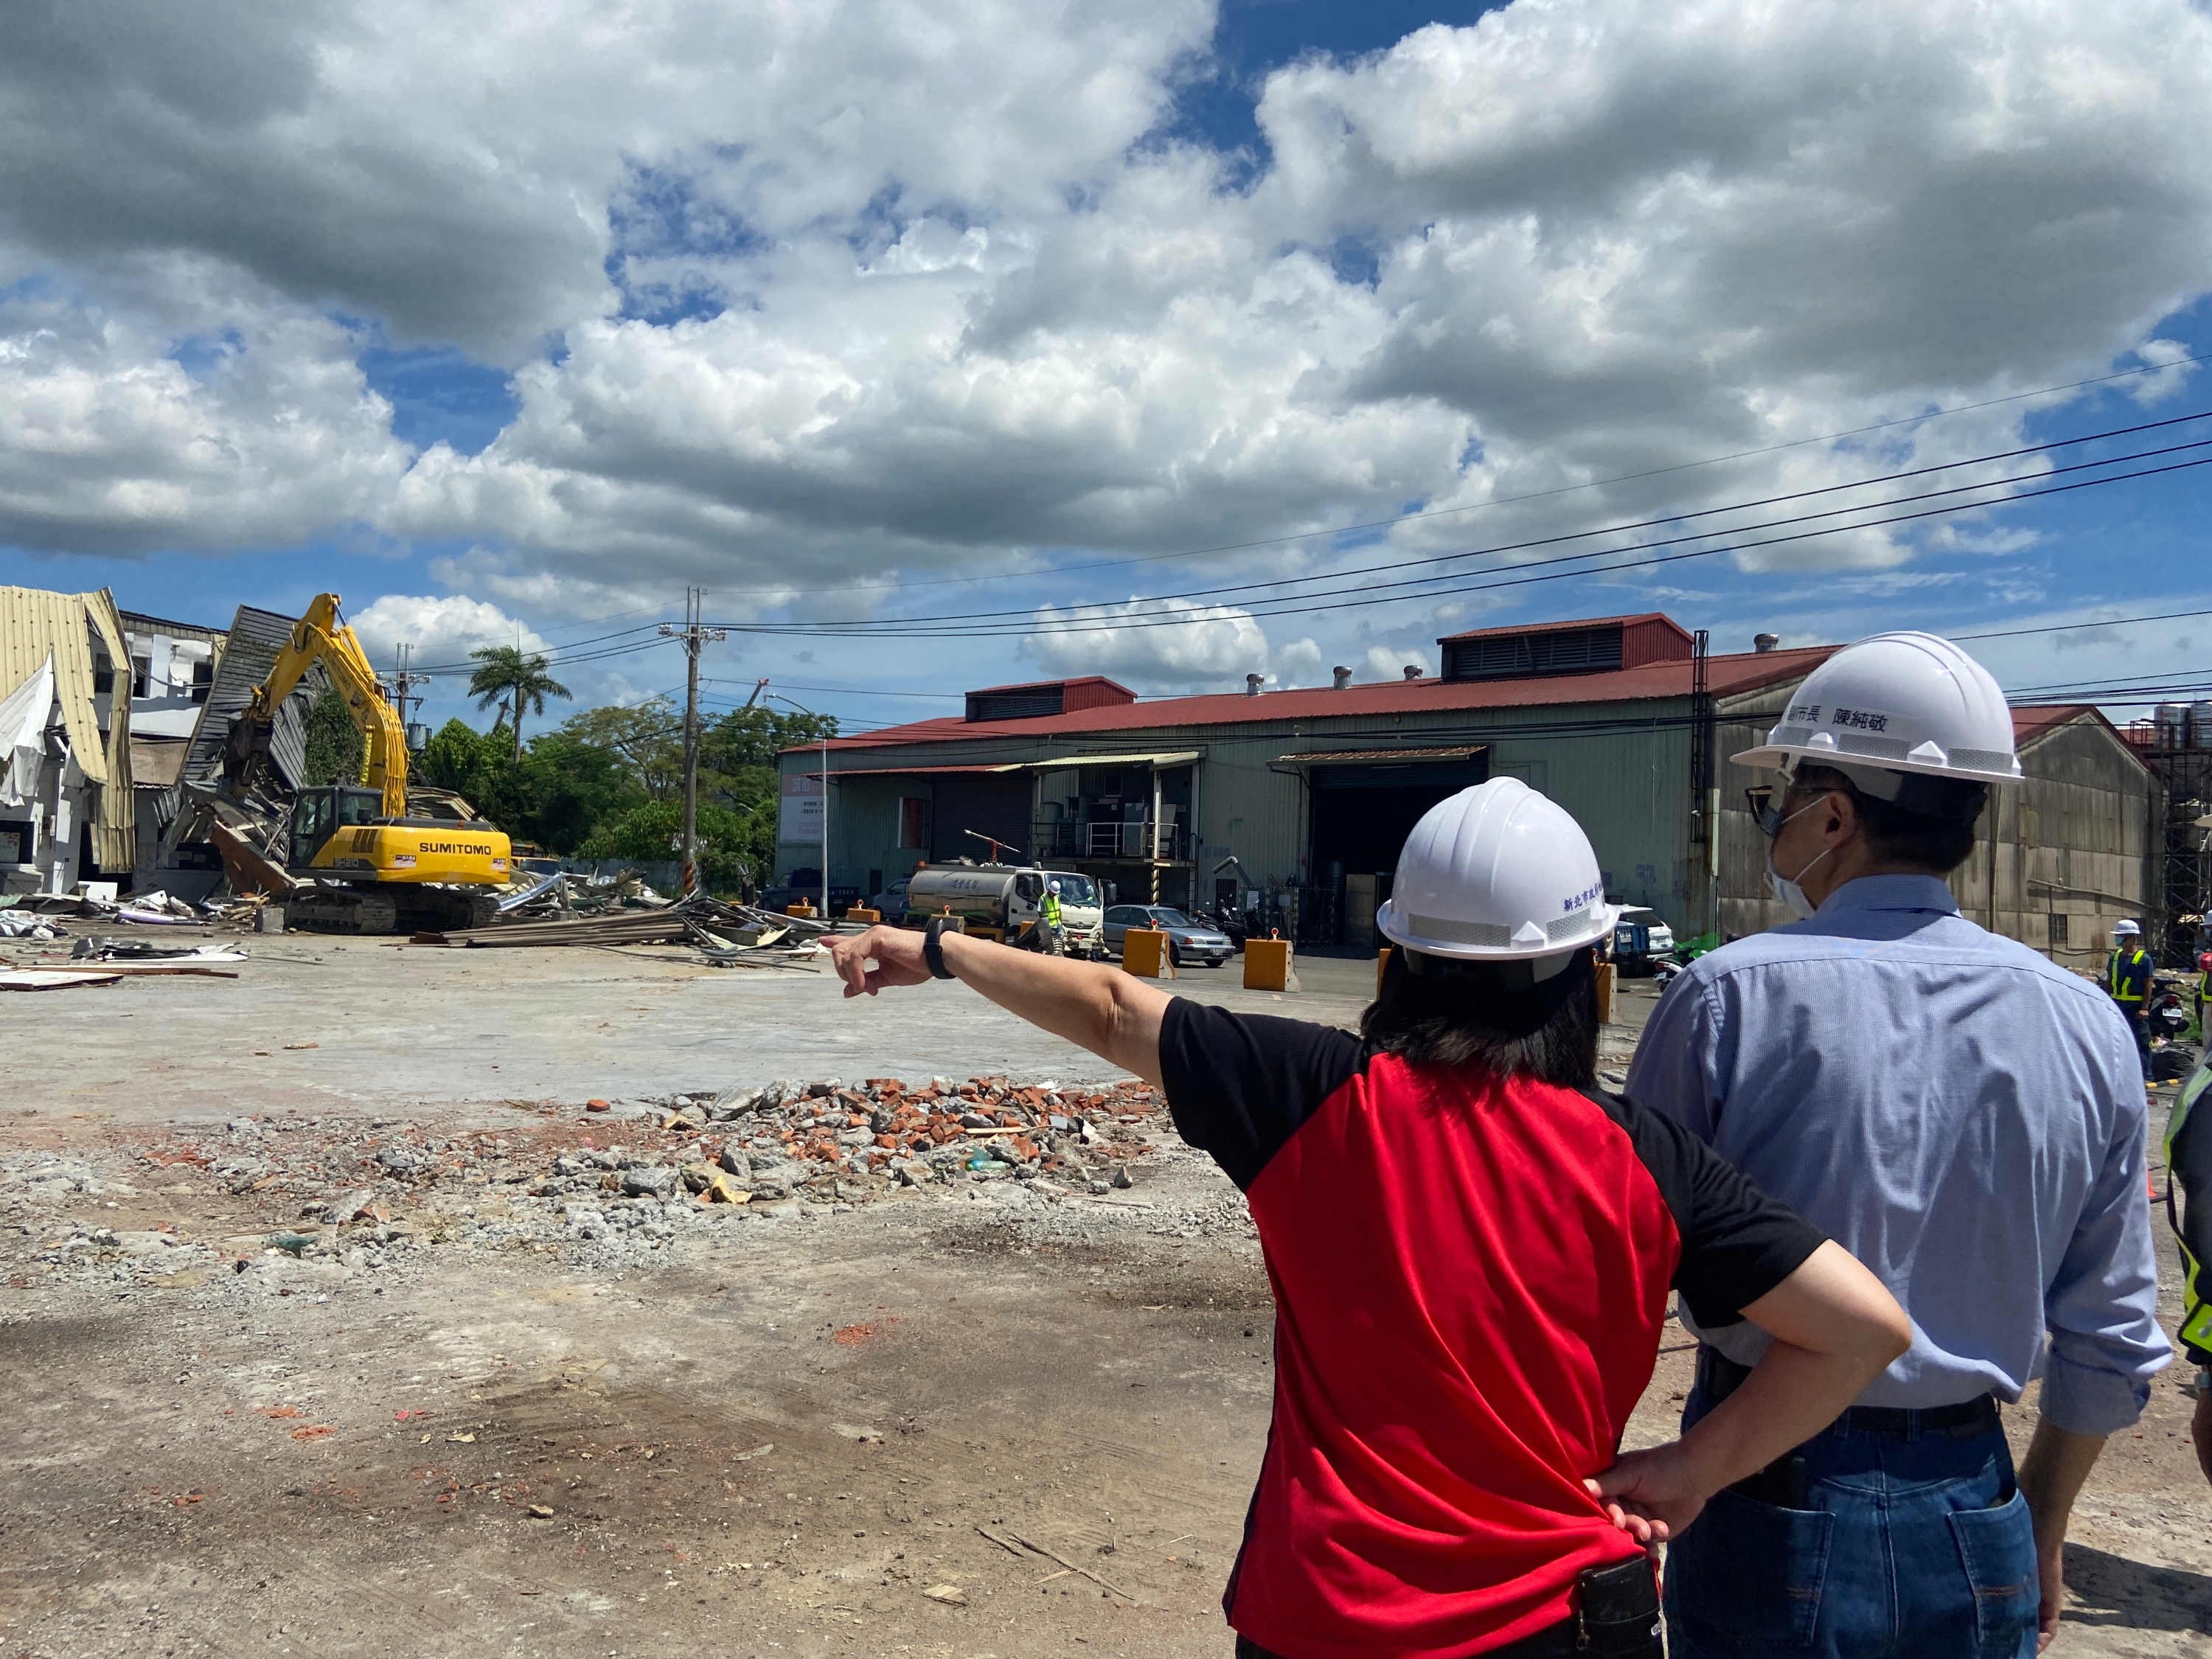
{"x": 440, "y": 631}
{"x": 800, "y": 299}
{"x": 1206, "y": 646}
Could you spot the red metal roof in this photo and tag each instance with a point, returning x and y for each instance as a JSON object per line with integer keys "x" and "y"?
{"x": 889, "y": 771}
{"x": 1725, "y": 675}
{"x": 2028, "y": 724}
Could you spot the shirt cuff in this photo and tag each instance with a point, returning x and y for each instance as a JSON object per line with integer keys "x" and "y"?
{"x": 2084, "y": 1399}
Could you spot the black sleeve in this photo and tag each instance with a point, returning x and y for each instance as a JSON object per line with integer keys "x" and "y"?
{"x": 1737, "y": 1243}
{"x": 1239, "y": 1084}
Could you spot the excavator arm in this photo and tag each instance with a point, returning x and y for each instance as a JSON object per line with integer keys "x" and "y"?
{"x": 320, "y": 637}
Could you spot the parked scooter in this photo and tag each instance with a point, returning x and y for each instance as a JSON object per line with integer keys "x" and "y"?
{"x": 2169, "y": 1015}
{"x": 1229, "y": 920}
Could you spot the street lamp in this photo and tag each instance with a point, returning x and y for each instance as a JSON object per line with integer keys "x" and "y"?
{"x": 778, "y": 697}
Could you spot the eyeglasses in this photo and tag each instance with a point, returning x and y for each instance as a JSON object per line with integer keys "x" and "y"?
{"x": 1767, "y": 802}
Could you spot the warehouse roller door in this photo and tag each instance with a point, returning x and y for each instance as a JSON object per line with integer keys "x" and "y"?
{"x": 1362, "y": 814}
{"x": 990, "y": 804}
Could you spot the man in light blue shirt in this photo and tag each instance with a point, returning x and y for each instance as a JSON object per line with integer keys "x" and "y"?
{"x": 1965, "y": 1118}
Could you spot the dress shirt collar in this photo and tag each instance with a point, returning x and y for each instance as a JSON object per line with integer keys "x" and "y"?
{"x": 1892, "y": 893}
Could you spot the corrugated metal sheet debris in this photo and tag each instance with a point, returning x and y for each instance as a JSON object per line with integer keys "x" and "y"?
{"x": 256, "y": 638}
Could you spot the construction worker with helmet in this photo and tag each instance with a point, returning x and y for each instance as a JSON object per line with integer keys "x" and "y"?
{"x": 1472, "y": 1251}
{"x": 1967, "y": 1118}
{"x": 1049, "y": 916}
{"x": 2127, "y": 981}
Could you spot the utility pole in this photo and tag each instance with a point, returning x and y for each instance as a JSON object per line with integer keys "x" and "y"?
{"x": 694, "y": 636}
{"x": 406, "y": 681}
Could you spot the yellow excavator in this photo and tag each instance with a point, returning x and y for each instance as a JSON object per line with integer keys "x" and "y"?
{"x": 368, "y": 858}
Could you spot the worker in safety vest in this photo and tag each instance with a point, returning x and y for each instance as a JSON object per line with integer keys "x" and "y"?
{"x": 2189, "y": 1170}
{"x": 1964, "y": 1115}
{"x": 1053, "y": 943}
{"x": 2127, "y": 981}
{"x": 1472, "y": 1250}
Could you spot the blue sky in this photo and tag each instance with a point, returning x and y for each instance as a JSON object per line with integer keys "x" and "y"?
{"x": 1113, "y": 291}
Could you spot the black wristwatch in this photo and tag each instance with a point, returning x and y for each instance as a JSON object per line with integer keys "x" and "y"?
{"x": 932, "y": 946}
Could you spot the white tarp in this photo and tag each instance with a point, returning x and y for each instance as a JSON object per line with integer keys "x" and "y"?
{"x": 25, "y": 713}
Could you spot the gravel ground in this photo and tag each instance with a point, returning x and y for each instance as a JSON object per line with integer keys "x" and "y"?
{"x": 402, "y": 1343}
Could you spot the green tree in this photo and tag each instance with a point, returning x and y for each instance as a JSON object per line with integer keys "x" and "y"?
{"x": 567, "y": 790}
{"x": 456, "y": 756}
{"x": 336, "y": 748}
{"x": 507, "y": 677}
{"x": 646, "y": 737}
{"x": 649, "y": 831}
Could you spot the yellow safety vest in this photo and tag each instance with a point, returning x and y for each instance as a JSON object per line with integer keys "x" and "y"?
{"x": 2112, "y": 974}
{"x": 1052, "y": 909}
{"x": 2196, "y": 1279}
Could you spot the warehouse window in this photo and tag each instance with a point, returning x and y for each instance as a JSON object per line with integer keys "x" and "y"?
{"x": 2057, "y": 929}
{"x": 142, "y": 675}
{"x": 910, "y": 820}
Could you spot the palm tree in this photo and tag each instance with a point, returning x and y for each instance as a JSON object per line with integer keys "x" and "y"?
{"x": 514, "y": 681}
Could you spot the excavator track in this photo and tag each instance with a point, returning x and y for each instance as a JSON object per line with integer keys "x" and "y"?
{"x": 387, "y": 907}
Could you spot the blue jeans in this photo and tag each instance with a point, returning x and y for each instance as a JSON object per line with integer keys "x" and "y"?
{"x": 1910, "y": 1547}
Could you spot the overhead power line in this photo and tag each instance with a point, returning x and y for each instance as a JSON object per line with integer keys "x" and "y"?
{"x": 1218, "y": 593}
{"x": 1544, "y": 570}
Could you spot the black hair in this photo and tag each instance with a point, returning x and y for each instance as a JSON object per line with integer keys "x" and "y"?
{"x": 1438, "y": 1011}
{"x": 1930, "y": 826}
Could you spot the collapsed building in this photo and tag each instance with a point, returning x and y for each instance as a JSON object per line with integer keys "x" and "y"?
{"x": 67, "y": 807}
{"x": 1292, "y": 806}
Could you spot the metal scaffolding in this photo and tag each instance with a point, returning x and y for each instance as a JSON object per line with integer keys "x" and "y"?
{"x": 2182, "y": 764}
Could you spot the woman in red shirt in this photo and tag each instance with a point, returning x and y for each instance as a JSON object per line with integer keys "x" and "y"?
{"x": 1472, "y": 1250}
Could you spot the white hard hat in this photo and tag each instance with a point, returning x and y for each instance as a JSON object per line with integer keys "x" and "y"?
{"x": 1896, "y": 703}
{"x": 1055, "y": 887}
{"x": 2121, "y": 929}
{"x": 1497, "y": 872}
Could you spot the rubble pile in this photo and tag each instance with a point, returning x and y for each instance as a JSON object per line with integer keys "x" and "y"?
{"x": 777, "y": 1139}
{"x": 364, "y": 1194}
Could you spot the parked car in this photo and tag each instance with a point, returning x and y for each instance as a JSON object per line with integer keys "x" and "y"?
{"x": 1187, "y": 940}
{"x": 890, "y": 903}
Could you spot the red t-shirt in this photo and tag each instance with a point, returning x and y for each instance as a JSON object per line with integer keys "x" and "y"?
{"x": 1470, "y": 1279}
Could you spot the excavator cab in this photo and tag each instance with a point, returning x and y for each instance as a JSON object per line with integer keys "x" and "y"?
{"x": 318, "y": 814}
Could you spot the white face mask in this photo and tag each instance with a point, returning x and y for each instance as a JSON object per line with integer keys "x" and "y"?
{"x": 1786, "y": 888}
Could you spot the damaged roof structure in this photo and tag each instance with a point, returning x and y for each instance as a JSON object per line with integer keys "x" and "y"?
{"x": 65, "y": 785}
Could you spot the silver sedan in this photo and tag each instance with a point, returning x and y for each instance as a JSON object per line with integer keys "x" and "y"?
{"x": 1187, "y": 940}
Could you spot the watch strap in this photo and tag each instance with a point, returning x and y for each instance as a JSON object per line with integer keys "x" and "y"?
{"x": 933, "y": 948}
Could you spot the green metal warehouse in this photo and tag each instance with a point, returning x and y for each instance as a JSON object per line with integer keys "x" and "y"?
{"x": 1305, "y": 798}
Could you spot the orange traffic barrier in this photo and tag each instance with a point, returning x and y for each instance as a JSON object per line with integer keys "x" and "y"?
{"x": 1144, "y": 953}
{"x": 1267, "y": 965}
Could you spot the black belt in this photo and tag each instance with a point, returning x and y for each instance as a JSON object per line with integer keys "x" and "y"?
{"x": 1784, "y": 1481}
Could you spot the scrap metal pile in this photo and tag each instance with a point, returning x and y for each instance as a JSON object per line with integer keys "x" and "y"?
{"x": 726, "y": 935}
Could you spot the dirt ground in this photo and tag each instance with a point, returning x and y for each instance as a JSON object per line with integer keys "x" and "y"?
{"x": 989, "y": 1419}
